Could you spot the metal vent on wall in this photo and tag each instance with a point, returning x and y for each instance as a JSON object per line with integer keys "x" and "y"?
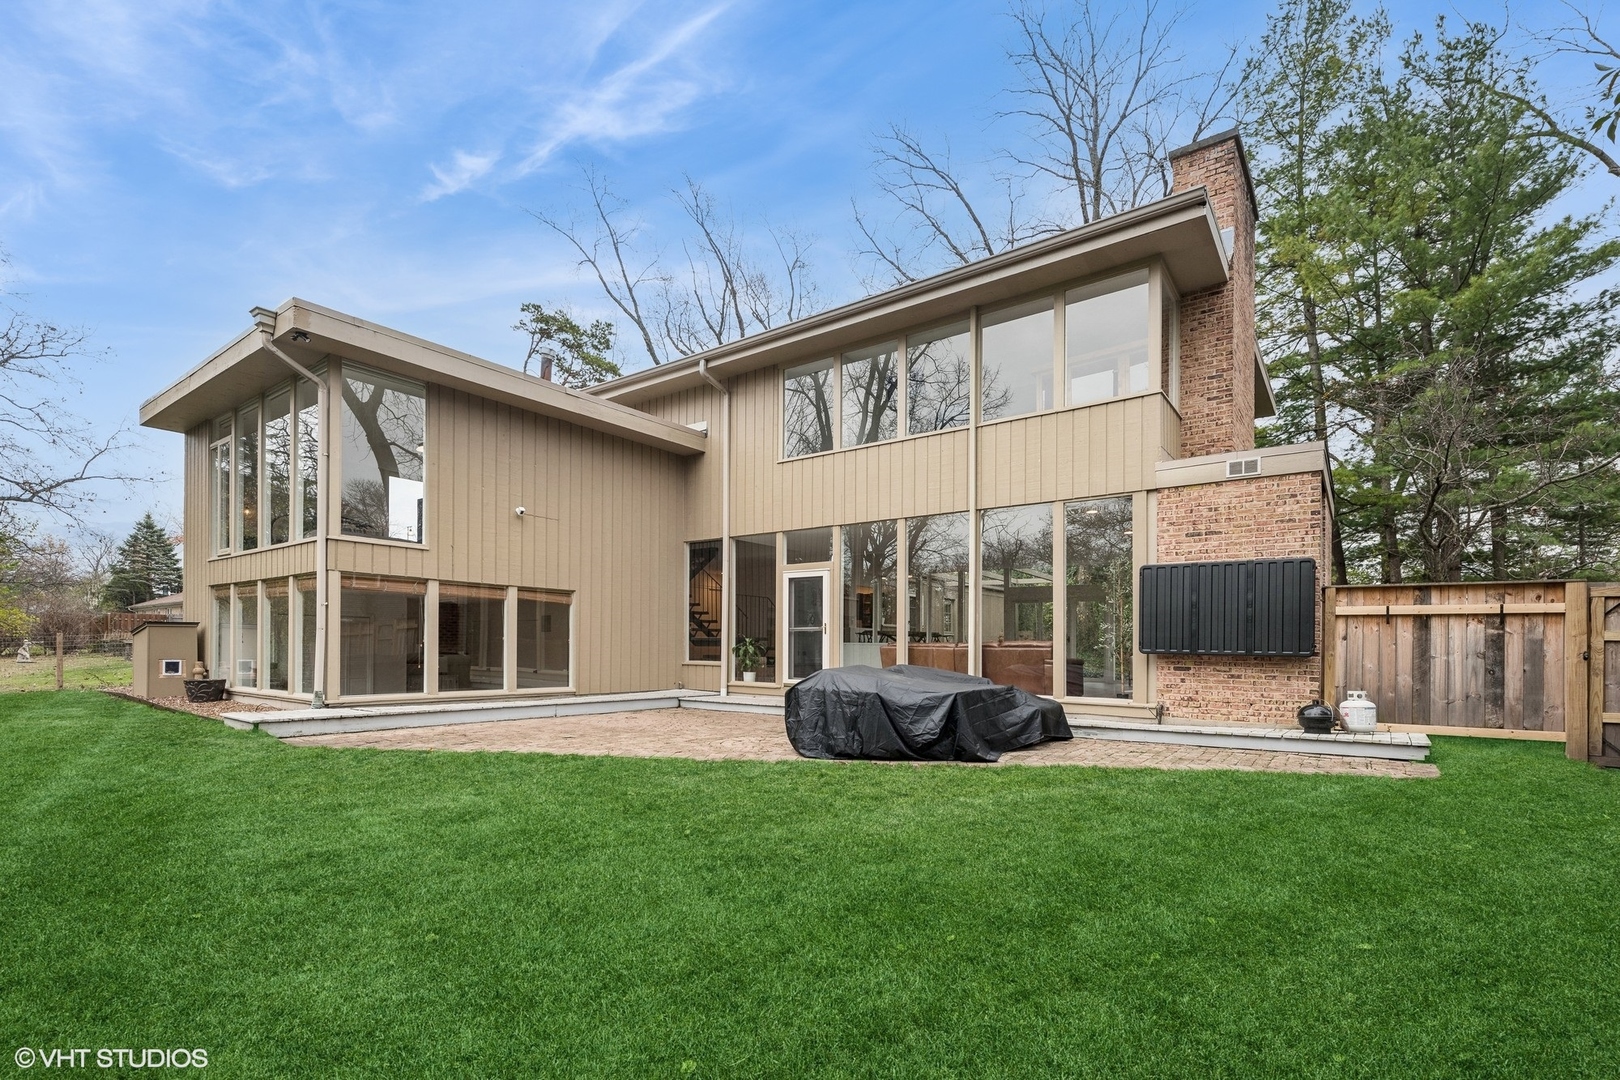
{"x": 1249, "y": 466}
{"x": 1258, "y": 607}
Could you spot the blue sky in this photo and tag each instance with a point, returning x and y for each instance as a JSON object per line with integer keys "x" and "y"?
{"x": 166, "y": 164}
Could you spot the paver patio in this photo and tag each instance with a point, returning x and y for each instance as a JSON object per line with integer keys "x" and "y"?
{"x": 706, "y": 735}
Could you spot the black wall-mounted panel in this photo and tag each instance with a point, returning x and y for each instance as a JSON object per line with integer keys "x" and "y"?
{"x": 1258, "y": 607}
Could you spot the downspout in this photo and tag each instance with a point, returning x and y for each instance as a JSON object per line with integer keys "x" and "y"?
{"x": 323, "y": 494}
{"x": 727, "y": 570}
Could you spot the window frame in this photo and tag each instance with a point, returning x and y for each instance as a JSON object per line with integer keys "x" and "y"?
{"x": 336, "y": 468}
{"x": 295, "y": 478}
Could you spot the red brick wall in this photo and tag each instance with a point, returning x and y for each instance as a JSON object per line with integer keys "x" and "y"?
{"x": 1217, "y": 325}
{"x": 1264, "y": 517}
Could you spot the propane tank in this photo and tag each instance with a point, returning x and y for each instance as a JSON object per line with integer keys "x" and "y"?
{"x": 1356, "y": 713}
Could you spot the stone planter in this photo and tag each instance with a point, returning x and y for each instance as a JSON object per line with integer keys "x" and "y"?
{"x": 205, "y": 689}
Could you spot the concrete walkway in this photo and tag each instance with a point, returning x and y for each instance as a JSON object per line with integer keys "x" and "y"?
{"x": 707, "y": 735}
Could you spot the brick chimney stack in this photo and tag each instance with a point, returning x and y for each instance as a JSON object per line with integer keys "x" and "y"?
{"x": 1219, "y": 353}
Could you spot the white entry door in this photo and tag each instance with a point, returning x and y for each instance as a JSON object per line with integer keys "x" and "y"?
{"x": 806, "y": 624}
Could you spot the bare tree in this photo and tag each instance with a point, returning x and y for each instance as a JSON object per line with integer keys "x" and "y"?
{"x": 1580, "y": 126}
{"x": 49, "y": 459}
{"x": 723, "y": 293}
{"x": 1100, "y": 96}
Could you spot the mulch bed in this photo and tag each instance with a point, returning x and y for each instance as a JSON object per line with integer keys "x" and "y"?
{"x": 213, "y": 710}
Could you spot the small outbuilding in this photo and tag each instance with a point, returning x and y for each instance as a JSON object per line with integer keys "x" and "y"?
{"x": 164, "y": 655}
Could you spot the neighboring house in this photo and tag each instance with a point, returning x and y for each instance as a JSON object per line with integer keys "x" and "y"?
{"x": 967, "y": 472}
{"x": 171, "y": 607}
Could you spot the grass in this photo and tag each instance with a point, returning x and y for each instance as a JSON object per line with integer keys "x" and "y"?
{"x": 165, "y": 881}
{"x": 80, "y": 671}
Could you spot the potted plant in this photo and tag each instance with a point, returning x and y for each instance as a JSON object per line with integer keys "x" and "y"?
{"x": 750, "y": 654}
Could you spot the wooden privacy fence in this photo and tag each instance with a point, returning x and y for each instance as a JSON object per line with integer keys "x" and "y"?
{"x": 1481, "y": 655}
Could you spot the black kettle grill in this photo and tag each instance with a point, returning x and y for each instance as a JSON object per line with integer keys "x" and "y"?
{"x": 1317, "y": 717}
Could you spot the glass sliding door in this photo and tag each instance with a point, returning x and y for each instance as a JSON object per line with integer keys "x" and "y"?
{"x": 1016, "y": 604}
{"x": 754, "y": 594}
{"x": 807, "y": 623}
{"x": 871, "y": 613}
{"x": 937, "y": 591}
{"x": 1098, "y": 597}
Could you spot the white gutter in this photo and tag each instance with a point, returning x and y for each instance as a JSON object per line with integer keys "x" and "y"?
{"x": 323, "y": 496}
{"x": 727, "y": 570}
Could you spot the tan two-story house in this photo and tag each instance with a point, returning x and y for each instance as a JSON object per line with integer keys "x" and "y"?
{"x": 976, "y": 471}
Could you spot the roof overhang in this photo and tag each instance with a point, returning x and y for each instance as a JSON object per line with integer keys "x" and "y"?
{"x": 1180, "y": 229}
{"x": 245, "y": 368}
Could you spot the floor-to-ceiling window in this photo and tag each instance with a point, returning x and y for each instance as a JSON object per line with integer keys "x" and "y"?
{"x": 277, "y": 635}
{"x": 871, "y": 622}
{"x": 937, "y": 575}
{"x": 381, "y": 644}
{"x": 1016, "y": 596}
{"x": 278, "y": 467}
{"x": 472, "y": 637}
{"x": 544, "y": 635}
{"x": 754, "y": 594}
{"x": 220, "y": 664}
{"x": 384, "y": 455}
{"x": 1099, "y": 597}
{"x": 246, "y": 638}
{"x": 247, "y": 478}
{"x": 306, "y": 635}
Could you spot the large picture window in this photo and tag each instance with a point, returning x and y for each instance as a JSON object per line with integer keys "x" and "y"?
{"x": 382, "y": 643}
{"x": 263, "y": 470}
{"x": 871, "y": 395}
{"x": 543, "y": 639}
{"x": 1105, "y": 333}
{"x": 384, "y": 456}
{"x": 1016, "y": 360}
{"x": 704, "y": 592}
{"x": 1099, "y": 589}
{"x": 807, "y": 409}
{"x": 472, "y": 637}
{"x": 1016, "y": 604}
{"x": 939, "y": 379}
{"x": 937, "y": 567}
{"x": 871, "y": 611}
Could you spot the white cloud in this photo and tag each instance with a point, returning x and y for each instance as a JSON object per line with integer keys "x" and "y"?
{"x": 462, "y": 171}
{"x": 638, "y": 98}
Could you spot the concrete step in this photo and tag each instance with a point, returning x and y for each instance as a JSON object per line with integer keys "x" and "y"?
{"x": 1385, "y": 745}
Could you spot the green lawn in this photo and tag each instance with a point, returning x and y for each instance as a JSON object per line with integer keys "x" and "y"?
{"x": 165, "y": 881}
{"x": 80, "y": 671}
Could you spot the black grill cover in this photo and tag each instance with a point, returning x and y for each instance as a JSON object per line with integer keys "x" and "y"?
{"x": 911, "y": 713}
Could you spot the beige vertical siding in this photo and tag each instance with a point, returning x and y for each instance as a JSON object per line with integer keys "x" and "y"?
{"x": 702, "y": 498}
{"x": 197, "y": 525}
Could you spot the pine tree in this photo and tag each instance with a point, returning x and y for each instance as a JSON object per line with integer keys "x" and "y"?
{"x": 145, "y": 567}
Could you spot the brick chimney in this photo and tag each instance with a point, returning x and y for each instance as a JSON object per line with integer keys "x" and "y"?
{"x": 1219, "y": 352}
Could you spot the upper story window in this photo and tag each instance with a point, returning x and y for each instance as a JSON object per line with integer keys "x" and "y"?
{"x": 939, "y": 379}
{"x": 262, "y": 473}
{"x": 807, "y": 409}
{"x": 1088, "y": 344}
{"x": 384, "y": 455}
{"x": 1105, "y": 331}
{"x": 871, "y": 394}
{"x": 1015, "y": 360}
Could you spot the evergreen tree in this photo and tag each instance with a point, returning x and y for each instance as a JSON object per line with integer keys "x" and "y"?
{"x": 1462, "y": 367}
{"x": 145, "y": 567}
{"x": 566, "y": 352}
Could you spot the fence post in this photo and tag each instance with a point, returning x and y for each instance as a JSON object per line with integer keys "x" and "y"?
{"x": 1330, "y": 642}
{"x": 1577, "y": 644}
{"x": 59, "y": 659}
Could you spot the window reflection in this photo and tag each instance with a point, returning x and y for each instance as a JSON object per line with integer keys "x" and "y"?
{"x": 807, "y": 409}
{"x": 871, "y": 393}
{"x": 1106, "y": 339}
{"x": 1097, "y": 554}
{"x": 1017, "y": 597}
{"x": 384, "y": 429}
{"x": 1016, "y": 360}
{"x": 937, "y": 589}
{"x": 939, "y": 379}
{"x": 871, "y": 612}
